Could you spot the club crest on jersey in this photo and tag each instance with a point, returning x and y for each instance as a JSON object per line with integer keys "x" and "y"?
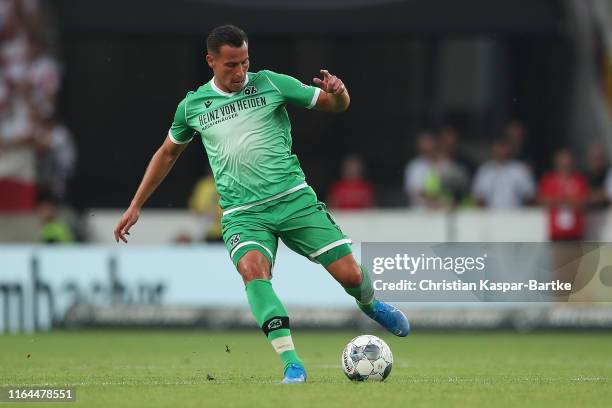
{"x": 207, "y": 104}
{"x": 234, "y": 239}
{"x": 250, "y": 90}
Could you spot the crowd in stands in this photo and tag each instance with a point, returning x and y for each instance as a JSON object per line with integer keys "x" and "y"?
{"x": 441, "y": 176}
{"x": 37, "y": 152}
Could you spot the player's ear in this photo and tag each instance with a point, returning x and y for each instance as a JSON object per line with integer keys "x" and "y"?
{"x": 209, "y": 60}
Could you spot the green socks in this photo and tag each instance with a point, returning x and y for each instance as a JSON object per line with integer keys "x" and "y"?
{"x": 364, "y": 293}
{"x": 271, "y": 316}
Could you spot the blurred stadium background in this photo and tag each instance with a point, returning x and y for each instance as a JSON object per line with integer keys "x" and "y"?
{"x": 464, "y": 117}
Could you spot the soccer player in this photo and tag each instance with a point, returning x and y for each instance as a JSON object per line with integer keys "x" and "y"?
{"x": 242, "y": 121}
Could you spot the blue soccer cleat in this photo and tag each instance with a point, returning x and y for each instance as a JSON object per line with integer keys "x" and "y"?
{"x": 390, "y": 317}
{"x": 294, "y": 374}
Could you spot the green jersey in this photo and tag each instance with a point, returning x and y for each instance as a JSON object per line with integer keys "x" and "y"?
{"x": 247, "y": 136}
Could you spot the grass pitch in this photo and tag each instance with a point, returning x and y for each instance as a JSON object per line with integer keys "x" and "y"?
{"x": 239, "y": 369}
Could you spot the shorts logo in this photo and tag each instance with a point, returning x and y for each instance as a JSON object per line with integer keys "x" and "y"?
{"x": 234, "y": 240}
{"x": 275, "y": 324}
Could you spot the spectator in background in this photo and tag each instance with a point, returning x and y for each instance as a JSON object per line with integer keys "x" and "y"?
{"x": 17, "y": 155}
{"x": 451, "y": 169}
{"x": 14, "y": 44}
{"x": 450, "y": 146}
{"x": 42, "y": 77}
{"x": 29, "y": 83}
{"x": 515, "y": 135}
{"x": 56, "y": 157}
{"x": 204, "y": 201}
{"x": 417, "y": 169}
{"x": 503, "y": 183}
{"x": 352, "y": 191}
{"x": 28, "y": 12}
{"x": 564, "y": 192}
{"x": 434, "y": 179}
{"x": 53, "y": 230}
{"x": 597, "y": 167}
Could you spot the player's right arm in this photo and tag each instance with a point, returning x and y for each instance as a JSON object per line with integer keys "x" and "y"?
{"x": 157, "y": 170}
{"x": 179, "y": 136}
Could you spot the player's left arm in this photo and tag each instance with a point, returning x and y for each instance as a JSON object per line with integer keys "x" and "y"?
{"x": 334, "y": 96}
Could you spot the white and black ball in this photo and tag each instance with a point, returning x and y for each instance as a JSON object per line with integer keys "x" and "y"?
{"x": 367, "y": 358}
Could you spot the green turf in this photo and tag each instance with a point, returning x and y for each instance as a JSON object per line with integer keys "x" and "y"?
{"x": 170, "y": 369}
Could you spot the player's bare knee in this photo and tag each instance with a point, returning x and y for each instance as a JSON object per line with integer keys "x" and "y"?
{"x": 252, "y": 271}
{"x": 253, "y": 265}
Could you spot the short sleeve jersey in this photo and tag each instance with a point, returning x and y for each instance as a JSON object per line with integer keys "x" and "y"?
{"x": 246, "y": 134}
{"x": 564, "y": 221}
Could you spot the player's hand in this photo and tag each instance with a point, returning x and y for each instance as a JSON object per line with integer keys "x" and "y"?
{"x": 330, "y": 83}
{"x": 129, "y": 218}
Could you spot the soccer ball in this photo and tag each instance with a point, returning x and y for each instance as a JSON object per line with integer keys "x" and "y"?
{"x": 367, "y": 358}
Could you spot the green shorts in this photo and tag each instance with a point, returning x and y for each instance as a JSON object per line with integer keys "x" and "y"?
{"x": 299, "y": 219}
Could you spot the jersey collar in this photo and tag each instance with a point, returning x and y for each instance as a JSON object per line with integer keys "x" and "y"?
{"x": 222, "y": 92}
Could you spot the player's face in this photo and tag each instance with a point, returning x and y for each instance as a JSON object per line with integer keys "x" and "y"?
{"x": 230, "y": 66}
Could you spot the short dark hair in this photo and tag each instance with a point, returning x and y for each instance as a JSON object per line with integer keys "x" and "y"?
{"x": 225, "y": 35}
